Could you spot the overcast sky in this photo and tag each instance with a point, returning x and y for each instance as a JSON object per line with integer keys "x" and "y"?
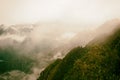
{"x": 67, "y": 11}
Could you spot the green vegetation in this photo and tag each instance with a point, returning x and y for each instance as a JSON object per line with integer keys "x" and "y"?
{"x": 98, "y": 61}
{"x": 49, "y": 72}
{"x": 10, "y": 60}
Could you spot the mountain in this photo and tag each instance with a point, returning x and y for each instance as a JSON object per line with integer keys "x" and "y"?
{"x": 98, "y": 60}
{"x": 29, "y": 49}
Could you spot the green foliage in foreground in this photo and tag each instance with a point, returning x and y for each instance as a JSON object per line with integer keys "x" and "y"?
{"x": 96, "y": 62}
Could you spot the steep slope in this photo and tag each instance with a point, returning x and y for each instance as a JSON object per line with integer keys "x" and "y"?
{"x": 64, "y": 66}
{"x": 99, "y": 60}
{"x": 49, "y": 72}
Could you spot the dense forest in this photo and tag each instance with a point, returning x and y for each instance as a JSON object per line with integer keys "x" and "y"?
{"x": 99, "y": 60}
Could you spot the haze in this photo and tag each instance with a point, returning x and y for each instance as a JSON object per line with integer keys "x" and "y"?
{"x": 84, "y": 12}
{"x": 45, "y": 30}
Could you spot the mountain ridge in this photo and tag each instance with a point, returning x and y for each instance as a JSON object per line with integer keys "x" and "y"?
{"x": 97, "y": 60}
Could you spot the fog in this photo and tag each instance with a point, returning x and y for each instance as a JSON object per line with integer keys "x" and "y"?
{"x": 83, "y": 12}
{"x": 45, "y": 43}
{"x": 45, "y": 30}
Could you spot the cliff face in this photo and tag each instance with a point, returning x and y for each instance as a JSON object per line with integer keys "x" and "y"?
{"x": 99, "y": 60}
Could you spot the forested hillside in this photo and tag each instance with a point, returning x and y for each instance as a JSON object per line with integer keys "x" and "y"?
{"x": 99, "y": 60}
